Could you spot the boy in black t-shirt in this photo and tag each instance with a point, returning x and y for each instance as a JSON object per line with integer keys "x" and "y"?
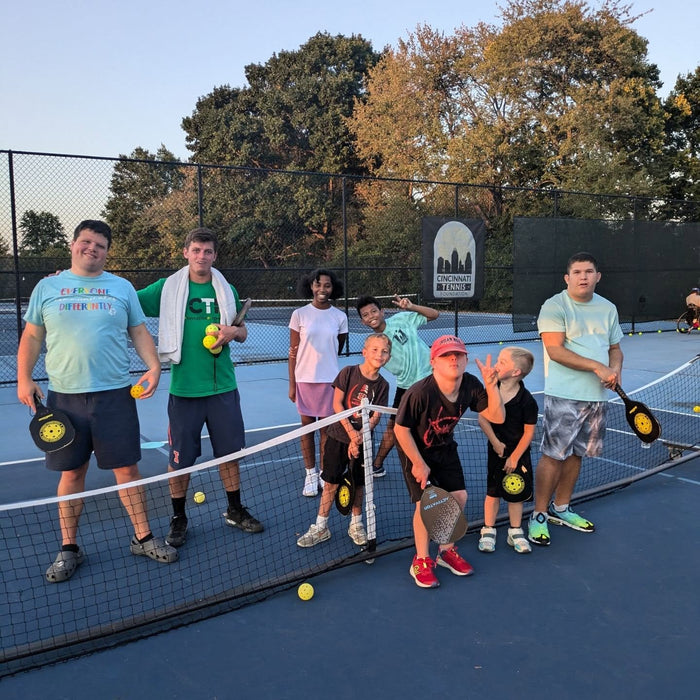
{"x": 509, "y": 449}
{"x": 344, "y": 439}
{"x": 424, "y": 430}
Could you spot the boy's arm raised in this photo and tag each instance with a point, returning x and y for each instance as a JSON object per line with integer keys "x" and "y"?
{"x": 406, "y": 304}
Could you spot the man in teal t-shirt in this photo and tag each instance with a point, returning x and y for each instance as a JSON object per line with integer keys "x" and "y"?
{"x": 410, "y": 356}
{"x": 581, "y": 335}
{"x": 86, "y": 316}
{"x": 203, "y": 386}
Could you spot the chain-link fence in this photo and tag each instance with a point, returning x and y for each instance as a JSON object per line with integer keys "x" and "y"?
{"x": 274, "y": 226}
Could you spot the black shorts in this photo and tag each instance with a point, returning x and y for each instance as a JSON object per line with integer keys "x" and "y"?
{"x": 445, "y": 472}
{"x": 496, "y": 473}
{"x": 105, "y": 422}
{"x": 187, "y": 415}
{"x": 336, "y": 460}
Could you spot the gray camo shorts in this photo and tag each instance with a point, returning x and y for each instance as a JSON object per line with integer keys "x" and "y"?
{"x": 573, "y": 428}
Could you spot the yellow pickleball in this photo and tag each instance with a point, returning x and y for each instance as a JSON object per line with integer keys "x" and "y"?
{"x": 212, "y": 329}
{"x": 305, "y": 591}
{"x": 696, "y": 409}
{"x": 199, "y": 497}
{"x": 136, "y": 390}
{"x": 208, "y": 341}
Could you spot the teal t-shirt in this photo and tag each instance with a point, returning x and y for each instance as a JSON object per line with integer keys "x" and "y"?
{"x": 590, "y": 329}
{"x": 86, "y": 320}
{"x": 199, "y": 373}
{"x": 410, "y": 356}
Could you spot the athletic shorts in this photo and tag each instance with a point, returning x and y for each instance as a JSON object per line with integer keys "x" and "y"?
{"x": 573, "y": 428}
{"x": 496, "y": 473}
{"x": 105, "y": 422}
{"x": 315, "y": 399}
{"x": 336, "y": 460}
{"x": 445, "y": 472}
{"x": 221, "y": 413}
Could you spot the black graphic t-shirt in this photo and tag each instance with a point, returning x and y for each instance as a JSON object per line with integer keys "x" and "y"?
{"x": 521, "y": 410}
{"x": 356, "y": 387}
{"x": 432, "y": 417}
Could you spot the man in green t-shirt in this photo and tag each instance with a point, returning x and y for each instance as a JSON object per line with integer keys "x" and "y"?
{"x": 203, "y": 386}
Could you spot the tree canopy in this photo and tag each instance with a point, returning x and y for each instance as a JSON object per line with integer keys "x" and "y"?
{"x": 42, "y": 234}
{"x": 556, "y": 100}
{"x": 682, "y": 171}
{"x": 140, "y": 209}
{"x": 560, "y": 95}
{"x": 293, "y": 116}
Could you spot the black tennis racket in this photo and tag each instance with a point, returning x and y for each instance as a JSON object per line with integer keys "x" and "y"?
{"x": 442, "y": 515}
{"x": 50, "y": 429}
{"x": 640, "y": 418}
{"x": 240, "y": 316}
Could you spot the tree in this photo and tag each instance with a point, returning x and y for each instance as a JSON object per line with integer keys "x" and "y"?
{"x": 291, "y": 117}
{"x": 683, "y": 140}
{"x": 559, "y": 96}
{"x": 293, "y": 114}
{"x": 42, "y": 234}
{"x": 139, "y": 182}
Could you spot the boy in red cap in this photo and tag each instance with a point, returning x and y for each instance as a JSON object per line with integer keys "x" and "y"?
{"x": 424, "y": 430}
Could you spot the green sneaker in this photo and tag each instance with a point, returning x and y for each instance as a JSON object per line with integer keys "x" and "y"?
{"x": 570, "y": 519}
{"x": 537, "y": 530}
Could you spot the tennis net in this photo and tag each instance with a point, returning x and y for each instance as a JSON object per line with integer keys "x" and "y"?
{"x": 116, "y": 597}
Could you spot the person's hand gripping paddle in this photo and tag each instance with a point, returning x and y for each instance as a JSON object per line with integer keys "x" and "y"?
{"x": 50, "y": 429}
{"x": 640, "y": 418}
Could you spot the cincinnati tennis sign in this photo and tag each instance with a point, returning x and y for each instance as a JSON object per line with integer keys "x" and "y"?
{"x": 453, "y": 258}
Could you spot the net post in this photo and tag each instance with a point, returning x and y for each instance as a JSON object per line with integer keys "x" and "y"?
{"x": 370, "y": 513}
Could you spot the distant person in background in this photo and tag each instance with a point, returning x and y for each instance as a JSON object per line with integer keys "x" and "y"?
{"x": 410, "y": 356}
{"x": 693, "y": 303}
{"x": 317, "y": 334}
{"x": 581, "y": 336}
{"x": 86, "y": 316}
{"x": 203, "y": 385}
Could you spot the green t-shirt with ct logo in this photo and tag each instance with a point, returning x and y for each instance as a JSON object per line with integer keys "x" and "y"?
{"x": 200, "y": 373}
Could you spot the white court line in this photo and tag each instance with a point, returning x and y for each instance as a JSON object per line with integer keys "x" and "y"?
{"x": 21, "y": 461}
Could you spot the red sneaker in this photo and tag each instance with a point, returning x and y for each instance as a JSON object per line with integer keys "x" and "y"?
{"x": 422, "y": 572}
{"x": 452, "y": 561}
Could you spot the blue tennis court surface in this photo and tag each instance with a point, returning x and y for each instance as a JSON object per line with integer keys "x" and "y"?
{"x": 604, "y": 614}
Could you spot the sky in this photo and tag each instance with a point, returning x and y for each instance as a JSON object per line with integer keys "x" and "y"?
{"x": 98, "y": 77}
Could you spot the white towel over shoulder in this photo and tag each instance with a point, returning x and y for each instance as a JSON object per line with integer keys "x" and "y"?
{"x": 172, "y": 311}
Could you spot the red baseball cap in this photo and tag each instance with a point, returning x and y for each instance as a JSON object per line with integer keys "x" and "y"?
{"x": 445, "y": 344}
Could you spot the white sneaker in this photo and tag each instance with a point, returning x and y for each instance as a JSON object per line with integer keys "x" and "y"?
{"x": 314, "y": 535}
{"x": 357, "y": 534}
{"x": 487, "y": 541}
{"x": 311, "y": 483}
{"x": 518, "y": 541}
